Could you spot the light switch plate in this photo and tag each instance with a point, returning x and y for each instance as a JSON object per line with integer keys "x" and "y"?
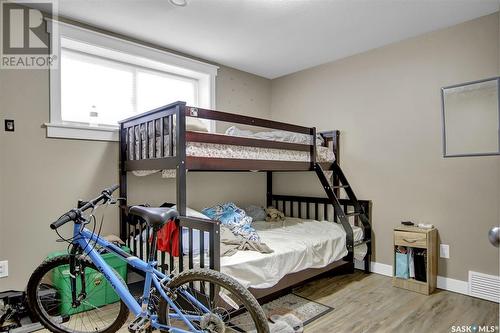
{"x": 9, "y": 125}
{"x": 444, "y": 251}
{"x": 4, "y": 269}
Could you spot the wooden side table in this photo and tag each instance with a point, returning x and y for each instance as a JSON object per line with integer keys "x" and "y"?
{"x": 417, "y": 238}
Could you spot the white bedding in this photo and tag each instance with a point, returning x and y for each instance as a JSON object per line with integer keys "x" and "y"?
{"x": 299, "y": 245}
{"x": 275, "y": 135}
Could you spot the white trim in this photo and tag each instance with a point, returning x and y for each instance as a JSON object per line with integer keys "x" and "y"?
{"x": 445, "y": 283}
{"x": 380, "y": 268}
{"x": 457, "y": 286}
{"x": 213, "y": 102}
{"x": 121, "y": 45}
{"x": 375, "y": 267}
{"x": 81, "y": 132}
{"x": 82, "y": 39}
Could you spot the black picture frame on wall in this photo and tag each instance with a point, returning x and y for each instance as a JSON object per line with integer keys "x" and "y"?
{"x": 446, "y": 152}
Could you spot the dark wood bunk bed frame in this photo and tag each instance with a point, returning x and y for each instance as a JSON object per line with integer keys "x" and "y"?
{"x": 170, "y": 120}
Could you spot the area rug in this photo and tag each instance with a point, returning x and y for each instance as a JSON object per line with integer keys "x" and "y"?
{"x": 303, "y": 308}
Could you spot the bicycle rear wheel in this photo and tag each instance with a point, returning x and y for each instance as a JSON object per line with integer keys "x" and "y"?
{"x": 231, "y": 307}
{"x": 49, "y": 292}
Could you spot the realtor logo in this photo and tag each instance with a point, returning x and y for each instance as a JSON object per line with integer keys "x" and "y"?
{"x": 27, "y": 37}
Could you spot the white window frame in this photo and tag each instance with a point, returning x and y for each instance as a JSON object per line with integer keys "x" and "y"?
{"x": 95, "y": 43}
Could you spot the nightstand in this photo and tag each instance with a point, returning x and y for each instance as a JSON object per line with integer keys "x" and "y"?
{"x": 423, "y": 242}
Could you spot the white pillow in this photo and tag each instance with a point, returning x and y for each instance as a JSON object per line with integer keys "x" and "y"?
{"x": 193, "y": 213}
{"x": 196, "y": 233}
{"x": 195, "y": 124}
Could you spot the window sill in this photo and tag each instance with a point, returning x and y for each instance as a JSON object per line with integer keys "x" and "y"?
{"x": 81, "y": 132}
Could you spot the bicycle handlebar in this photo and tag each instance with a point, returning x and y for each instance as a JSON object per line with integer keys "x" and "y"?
{"x": 111, "y": 189}
{"x": 69, "y": 216}
{"x": 75, "y": 213}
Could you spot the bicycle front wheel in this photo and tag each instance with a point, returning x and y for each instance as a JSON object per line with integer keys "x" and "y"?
{"x": 50, "y": 298}
{"x": 213, "y": 302}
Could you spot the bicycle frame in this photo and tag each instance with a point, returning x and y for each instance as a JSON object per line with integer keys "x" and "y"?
{"x": 83, "y": 238}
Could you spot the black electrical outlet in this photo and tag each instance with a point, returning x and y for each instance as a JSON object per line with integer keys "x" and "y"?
{"x": 9, "y": 125}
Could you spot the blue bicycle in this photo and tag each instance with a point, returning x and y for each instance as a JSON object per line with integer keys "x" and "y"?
{"x": 81, "y": 292}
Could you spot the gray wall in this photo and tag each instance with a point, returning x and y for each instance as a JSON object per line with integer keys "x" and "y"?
{"x": 40, "y": 178}
{"x": 387, "y": 104}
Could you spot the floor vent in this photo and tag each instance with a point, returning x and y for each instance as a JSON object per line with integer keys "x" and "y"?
{"x": 484, "y": 286}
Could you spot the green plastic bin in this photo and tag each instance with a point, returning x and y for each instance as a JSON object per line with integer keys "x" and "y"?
{"x": 97, "y": 287}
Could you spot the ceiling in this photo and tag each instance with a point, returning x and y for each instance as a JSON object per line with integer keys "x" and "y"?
{"x": 272, "y": 38}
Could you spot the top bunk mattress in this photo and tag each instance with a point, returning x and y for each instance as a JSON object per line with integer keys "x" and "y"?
{"x": 222, "y": 151}
{"x": 199, "y": 149}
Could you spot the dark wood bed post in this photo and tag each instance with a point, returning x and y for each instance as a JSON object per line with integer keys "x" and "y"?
{"x": 336, "y": 147}
{"x": 334, "y": 195}
{"x": 123, "y": 183}
{"x": 213, "y": 228}
{"x": 334, "y": 137}
{"x": 269, "y": 189}
{"x": 313, "y": 147}
{"x": 180, "y": 151}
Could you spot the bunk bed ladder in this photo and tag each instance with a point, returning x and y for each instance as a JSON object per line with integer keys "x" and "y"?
{"x": 333, "y": 194}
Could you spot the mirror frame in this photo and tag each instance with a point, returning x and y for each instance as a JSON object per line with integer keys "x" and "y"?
{"x": 445, "y": 154}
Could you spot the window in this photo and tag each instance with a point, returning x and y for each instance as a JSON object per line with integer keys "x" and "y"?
{"x": 102, "y": 79}
{"x": 93, "y": 87}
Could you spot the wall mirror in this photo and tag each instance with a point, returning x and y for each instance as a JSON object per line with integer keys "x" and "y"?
{"x": 471, "y": 118}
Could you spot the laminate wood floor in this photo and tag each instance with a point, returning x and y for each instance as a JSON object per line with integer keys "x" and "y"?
{"x": 369, "y": 303}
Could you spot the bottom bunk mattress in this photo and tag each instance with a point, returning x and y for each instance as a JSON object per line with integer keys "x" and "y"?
{"x": 297, "y": 244}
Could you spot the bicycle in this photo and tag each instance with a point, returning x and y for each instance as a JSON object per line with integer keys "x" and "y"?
{"x": 181, "y": 303}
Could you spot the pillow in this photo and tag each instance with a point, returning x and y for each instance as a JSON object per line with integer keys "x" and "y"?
{"x": 275, "y": 135}
{"x": 235, "y": 131}
{"x": 196, "y": 233}
{"x": 195, "y": 124}
{"x": 193, "y": 213}
{"x": 234, "y": 218}
{"x": 257, "y": 213}
{"x": 196, "y": 241}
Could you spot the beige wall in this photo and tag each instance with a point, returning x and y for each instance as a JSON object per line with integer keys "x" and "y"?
{"x": 386, "y": 102}
{"x": 40, "y": 178}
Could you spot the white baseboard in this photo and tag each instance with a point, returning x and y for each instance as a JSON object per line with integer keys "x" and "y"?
{"x": 445, "y": 283}
{"x": 457, "y": 286}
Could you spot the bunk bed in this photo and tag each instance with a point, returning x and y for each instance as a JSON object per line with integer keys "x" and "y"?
{"x": 159, "y": 140}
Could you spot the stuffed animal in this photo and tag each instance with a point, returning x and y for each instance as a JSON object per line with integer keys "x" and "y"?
{"x": 274, "y": 215}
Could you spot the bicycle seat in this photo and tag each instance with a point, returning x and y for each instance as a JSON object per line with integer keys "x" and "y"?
{"x": 155, "y": 217}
